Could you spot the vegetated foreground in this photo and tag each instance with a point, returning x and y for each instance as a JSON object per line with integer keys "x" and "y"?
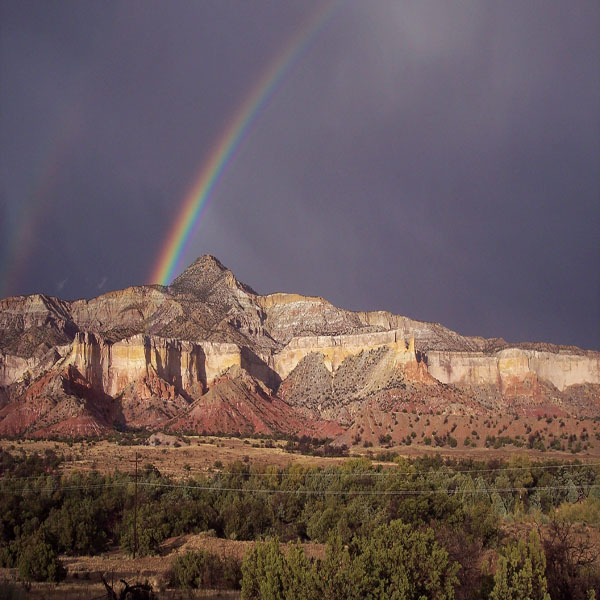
{"x": 260, "y": 522}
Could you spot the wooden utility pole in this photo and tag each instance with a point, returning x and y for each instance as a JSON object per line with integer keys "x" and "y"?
{"x": 135, "y": 508}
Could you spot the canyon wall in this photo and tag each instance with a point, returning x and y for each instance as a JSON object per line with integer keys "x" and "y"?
{"x": 13, "y": 368}
{"x": 188, "y": 334}
{"x": 112, "y": 367}
{"x": 335, "y": 349}
{"x": 476, "y": 368}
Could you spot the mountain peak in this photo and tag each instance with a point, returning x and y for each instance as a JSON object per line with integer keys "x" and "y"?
{"x": 207, "y": 262}
{"x": 204, "y": 274}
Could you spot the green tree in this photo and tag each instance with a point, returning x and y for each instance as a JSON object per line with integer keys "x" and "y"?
{"x": 199, "y": 569}
{"x": 394, "y": 563}
{"x": 520, "y": 572}
{"x": 400, "y": 563}
{"x": 321, "y": 521}
{"x": 335, "y": 574}
{"x": 573, "y": 492}
{"x": 482, "y": 521}
{"x": 520, "y": 472}
{"x": 77, "y": 527}
{"x": 245, "y": 518}
{"x": 150, "y": 532}
{"x": 38, "y": 561}
{"x": 269, "y": 574}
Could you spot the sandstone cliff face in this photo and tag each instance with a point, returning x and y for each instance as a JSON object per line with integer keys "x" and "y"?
{"x": 238, "y": 403}
{"x": 185, "y": 365}
{"x": 151, "y": 352}
{"x": 500, "y": 368}
{"x": 59, "y": 402}
{"x": 131, "y": 310}
{"x": 335, "y": 349}
{"x": 13, "y": 368}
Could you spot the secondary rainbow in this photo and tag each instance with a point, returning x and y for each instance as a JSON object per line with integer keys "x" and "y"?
{"x": 22, "y": 234}
{"x": 230, "y": 139}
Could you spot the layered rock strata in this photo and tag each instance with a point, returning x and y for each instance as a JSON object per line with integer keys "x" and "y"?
{"x": 503, "y": 367}
{"x": 167, "y": 347}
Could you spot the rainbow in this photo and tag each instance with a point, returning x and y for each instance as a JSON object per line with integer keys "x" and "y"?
{"x": 232, "y": 136}
{"x": 20, "y": 242}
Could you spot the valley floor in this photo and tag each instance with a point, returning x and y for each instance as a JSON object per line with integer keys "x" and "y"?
{"x": 183, "y": 456}
{"x": 563, "y": 495}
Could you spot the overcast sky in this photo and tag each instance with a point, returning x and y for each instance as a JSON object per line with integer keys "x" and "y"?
{"x": 439, "y": 160}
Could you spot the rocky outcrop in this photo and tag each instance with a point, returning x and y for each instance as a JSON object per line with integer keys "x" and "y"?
{"x": 13, "y": 368}
{"x": 59, "y": 402}
{"x": 32, "y": 325}
{"x": 185, "y": 365}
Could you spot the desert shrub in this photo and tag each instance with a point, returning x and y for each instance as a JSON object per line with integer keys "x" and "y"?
{"x": 176, "y": 516}
{"x": 9, "y": 554}
{"x": 587, "y": 511}
{"x": 29, "y": 466}
{"x": 150, "y": 533}
{"x": 572, "y": 567}
{"x": 482, "y": 522}
{"x": 77, "y": 527}
{"x": 321, "y": 521}
{"x": 520, "y": 573}
{"x": 422, "y": 509}
{"x": 269, "y": 574}
{"x": 204, "y": 569}
{"x": 38, "y": 561}
{"x": 394, "y": 562}
{"x": 245, "y": 518}
{"x": 397, "y": 561}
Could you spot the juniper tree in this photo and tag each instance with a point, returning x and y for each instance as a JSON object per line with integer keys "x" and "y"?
{"x": 520, "y": 572}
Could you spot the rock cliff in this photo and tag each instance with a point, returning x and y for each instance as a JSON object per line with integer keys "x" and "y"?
{"x": 514, "y": 364}
{"x": 154, "y": 356}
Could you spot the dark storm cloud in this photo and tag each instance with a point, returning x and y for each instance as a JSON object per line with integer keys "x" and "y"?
{"x": 436, "y": 159}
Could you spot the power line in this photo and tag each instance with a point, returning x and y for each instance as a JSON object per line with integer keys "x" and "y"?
{"x": 380, "y": 492}
{"x": 390, "y": 469}
{"x": 455, "y": 491}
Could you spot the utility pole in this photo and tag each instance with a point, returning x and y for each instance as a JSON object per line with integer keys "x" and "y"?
{"x": 135, "y": 508}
